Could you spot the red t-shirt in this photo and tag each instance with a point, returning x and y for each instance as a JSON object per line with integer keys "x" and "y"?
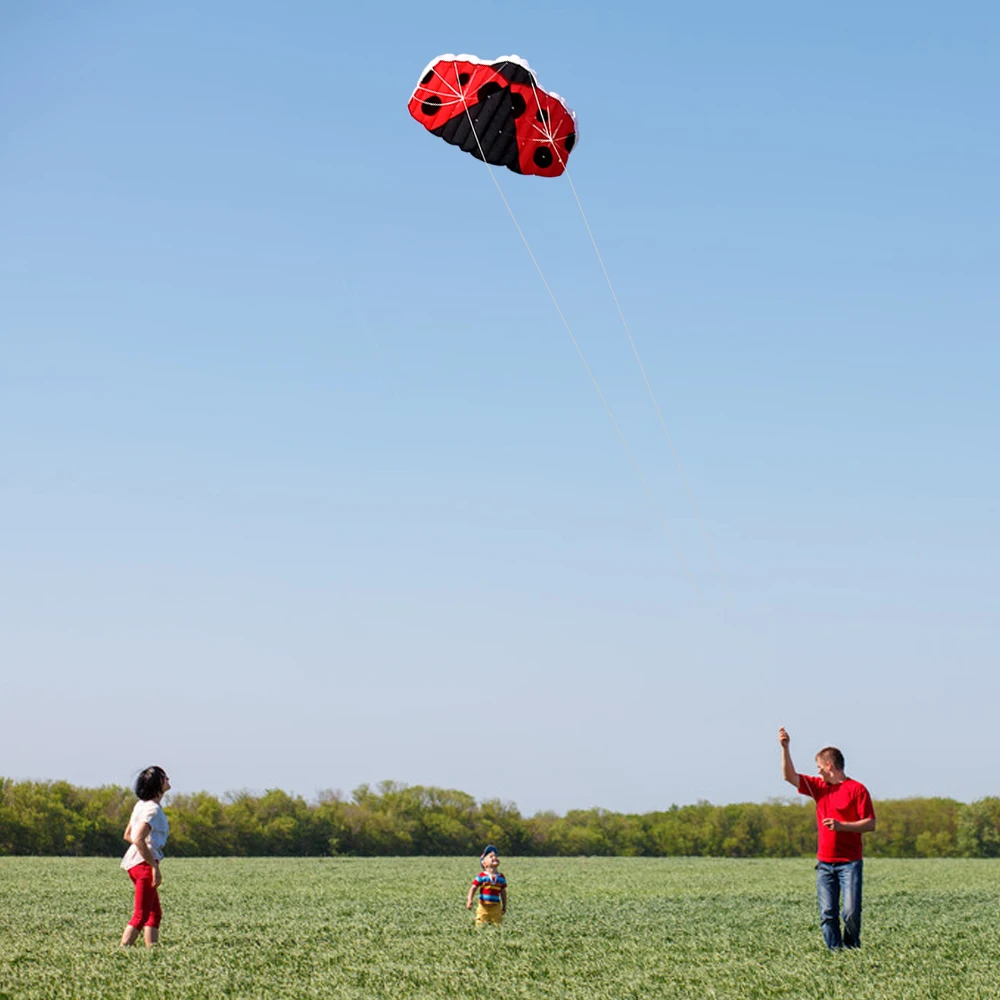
{"x": 849, "y": 801}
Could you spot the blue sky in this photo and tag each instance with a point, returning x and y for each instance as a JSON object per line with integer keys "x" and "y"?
{"x": 304, "y": 485}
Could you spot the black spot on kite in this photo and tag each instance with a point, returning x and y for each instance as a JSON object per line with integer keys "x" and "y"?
{"x": 542, "y": 115}
{"x": 518, "y": 104}
{"x": 570, "y": 141}
{"x": 428, "y": 76}
{"x": 463, "y": 79}
{"x": 543, "y": 157}
{"x": 432, "y": 105}
{"x": 487, "y": 90}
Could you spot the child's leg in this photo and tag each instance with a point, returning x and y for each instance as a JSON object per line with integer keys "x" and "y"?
{"x": 488, "y": 914}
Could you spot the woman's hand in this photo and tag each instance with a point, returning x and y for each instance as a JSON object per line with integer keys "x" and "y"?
{"x": 157, "y": 877}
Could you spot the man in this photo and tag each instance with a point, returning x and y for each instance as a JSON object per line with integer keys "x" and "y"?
{"x": 844, "y": 811}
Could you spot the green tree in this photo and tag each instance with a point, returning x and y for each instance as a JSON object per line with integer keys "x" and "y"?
{"x": 979, "y": 829}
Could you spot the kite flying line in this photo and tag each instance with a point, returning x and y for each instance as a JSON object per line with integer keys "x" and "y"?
{"x": 529, "y": 131}
{"x": 458, "y": 92}
{"x": 543, "y": 127}
{"x": 656, "y": 405}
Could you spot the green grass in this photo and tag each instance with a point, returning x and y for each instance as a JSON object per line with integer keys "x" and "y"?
{"x": 582, "y": 928}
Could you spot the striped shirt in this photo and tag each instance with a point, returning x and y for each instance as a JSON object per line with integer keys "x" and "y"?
{"x": 489, "y": 886}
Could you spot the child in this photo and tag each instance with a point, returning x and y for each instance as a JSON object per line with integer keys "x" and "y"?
{"x": 147, "y": 833}
{"x": 492, "y": 888}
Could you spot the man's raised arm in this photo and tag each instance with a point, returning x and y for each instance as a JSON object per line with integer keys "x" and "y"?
{"x": 788, "y": 771}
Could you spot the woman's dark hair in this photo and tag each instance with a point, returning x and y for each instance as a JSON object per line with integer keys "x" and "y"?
{"x": 149, "y": 784}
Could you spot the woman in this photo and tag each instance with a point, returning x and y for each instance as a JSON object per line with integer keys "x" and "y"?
{"x": 147, "y": 832}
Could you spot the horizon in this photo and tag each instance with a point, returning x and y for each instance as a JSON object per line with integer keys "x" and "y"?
{"x": 317, "y": 797}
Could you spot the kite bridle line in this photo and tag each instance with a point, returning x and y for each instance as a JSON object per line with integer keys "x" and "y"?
{"x": 546, "y": 131}
{"x": 460, "y": 93}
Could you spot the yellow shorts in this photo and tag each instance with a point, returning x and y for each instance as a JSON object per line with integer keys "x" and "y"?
{"x": 489, "y": 913}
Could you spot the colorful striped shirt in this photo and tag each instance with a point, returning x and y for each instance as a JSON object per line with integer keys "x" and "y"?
{"x": 489, "y": 886}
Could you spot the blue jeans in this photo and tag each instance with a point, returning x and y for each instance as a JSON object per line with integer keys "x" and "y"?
{"x": 838, "y": 885}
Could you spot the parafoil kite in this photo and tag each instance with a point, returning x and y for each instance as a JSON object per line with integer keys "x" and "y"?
{"x": 497, "y": 112}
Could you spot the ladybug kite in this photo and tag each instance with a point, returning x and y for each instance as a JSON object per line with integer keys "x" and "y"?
{"x": 497, "y": 112}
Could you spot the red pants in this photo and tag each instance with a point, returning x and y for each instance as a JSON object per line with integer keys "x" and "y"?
{"x": 147, "y": 911}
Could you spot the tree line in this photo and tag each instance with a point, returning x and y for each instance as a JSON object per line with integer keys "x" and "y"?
{"x": 391, "y": 819}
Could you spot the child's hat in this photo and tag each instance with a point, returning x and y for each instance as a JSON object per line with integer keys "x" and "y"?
{"x": 488, "y": 849}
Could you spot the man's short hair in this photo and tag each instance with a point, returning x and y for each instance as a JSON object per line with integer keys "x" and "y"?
{"x": 832, "y": 756}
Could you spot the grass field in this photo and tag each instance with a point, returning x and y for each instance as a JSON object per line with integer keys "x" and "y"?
{"x": 581, "y": 928}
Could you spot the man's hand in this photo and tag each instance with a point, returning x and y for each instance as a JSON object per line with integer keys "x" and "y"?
{"x": 783, "y": 738}
{"x": 833, "y": 824}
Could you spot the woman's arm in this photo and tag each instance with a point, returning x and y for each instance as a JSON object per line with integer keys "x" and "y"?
{"x": 142, "y": 846}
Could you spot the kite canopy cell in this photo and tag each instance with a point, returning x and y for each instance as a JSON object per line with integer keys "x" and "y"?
{"x": 497, "y": 112}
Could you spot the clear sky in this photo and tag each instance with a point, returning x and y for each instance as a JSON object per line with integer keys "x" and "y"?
{"x": 302, "y": 484}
